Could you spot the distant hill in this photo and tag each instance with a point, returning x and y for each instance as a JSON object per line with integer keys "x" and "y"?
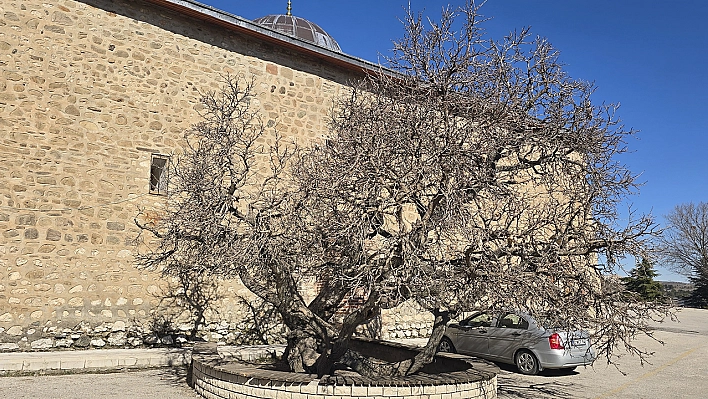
{"x": 677, "y": 290}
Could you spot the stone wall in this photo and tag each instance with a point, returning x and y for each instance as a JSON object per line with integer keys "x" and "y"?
{"x": 406, "y": 321}
{"x": 89, "y": 91}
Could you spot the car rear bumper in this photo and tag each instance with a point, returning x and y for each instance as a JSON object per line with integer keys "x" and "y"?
{"x": 558, "y": 359}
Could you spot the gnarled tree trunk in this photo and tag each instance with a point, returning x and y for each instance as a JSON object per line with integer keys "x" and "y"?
{"x": 371, "y": 367}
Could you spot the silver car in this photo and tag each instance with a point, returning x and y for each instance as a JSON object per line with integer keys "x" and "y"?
{"x": 516, "y": 338}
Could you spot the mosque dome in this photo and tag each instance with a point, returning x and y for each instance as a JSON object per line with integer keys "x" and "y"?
{"x": 299, "y": 28}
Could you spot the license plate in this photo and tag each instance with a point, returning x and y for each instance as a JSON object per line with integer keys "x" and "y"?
{"x": 579, "y": 342}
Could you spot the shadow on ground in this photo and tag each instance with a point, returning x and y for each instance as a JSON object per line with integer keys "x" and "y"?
{"x": 512, "y": 385}
{"x": 175, "y": 375}
{"x": 545, "y": 373}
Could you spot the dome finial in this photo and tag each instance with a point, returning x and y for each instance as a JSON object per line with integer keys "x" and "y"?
{"x": 290, "y": 9}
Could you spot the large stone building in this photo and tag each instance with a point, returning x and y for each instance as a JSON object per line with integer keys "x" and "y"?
{"x": 94, "y": 97}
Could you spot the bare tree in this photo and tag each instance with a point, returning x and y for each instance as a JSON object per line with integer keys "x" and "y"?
{"x": 481, "y": 176}
{"x": 684, "y": 245}
{"x": 473, "y": 173}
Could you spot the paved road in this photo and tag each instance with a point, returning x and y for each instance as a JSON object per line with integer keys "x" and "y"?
{"x": 679, "y": 369}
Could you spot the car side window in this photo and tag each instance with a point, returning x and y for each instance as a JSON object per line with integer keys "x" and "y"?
{"x": 481, "y": 320}
{"x": 512, "y": 320}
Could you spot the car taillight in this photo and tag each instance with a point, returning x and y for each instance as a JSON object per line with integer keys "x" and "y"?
{"x": 555, "y": 341}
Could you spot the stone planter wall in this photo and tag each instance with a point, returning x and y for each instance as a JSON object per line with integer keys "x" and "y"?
{"x": 214, "y": 377}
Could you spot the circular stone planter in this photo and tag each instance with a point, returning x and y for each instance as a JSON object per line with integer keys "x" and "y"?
{"x": 228, "y": 373}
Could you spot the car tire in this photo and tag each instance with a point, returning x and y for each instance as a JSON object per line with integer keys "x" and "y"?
{"x": 446, "y": 345}
{"x": 526, "y": 362}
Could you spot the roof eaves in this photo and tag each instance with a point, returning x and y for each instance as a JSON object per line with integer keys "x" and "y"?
{"x": 235, "y": 23}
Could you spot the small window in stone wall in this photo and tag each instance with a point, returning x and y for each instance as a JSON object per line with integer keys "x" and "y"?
{"x": 158, "y": 174}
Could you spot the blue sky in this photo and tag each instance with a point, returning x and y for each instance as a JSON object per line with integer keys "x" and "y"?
{"x": 650, "y": 56}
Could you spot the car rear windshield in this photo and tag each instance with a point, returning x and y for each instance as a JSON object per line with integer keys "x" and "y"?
{"x": 549, "y": 323}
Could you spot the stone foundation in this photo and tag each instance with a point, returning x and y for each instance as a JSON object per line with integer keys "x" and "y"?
{"x": 405, "y": 321}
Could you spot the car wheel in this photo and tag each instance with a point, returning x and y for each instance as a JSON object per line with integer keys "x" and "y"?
{"x": 526, "y": 362}
{"x": 445, "y": 345}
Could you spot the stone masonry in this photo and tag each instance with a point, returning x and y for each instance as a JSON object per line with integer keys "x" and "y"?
{"x": 89, "y": 91}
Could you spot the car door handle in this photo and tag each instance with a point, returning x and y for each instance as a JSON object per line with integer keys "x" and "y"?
{"x": 516, "y": 334}
{"x": 482, "y": 330}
